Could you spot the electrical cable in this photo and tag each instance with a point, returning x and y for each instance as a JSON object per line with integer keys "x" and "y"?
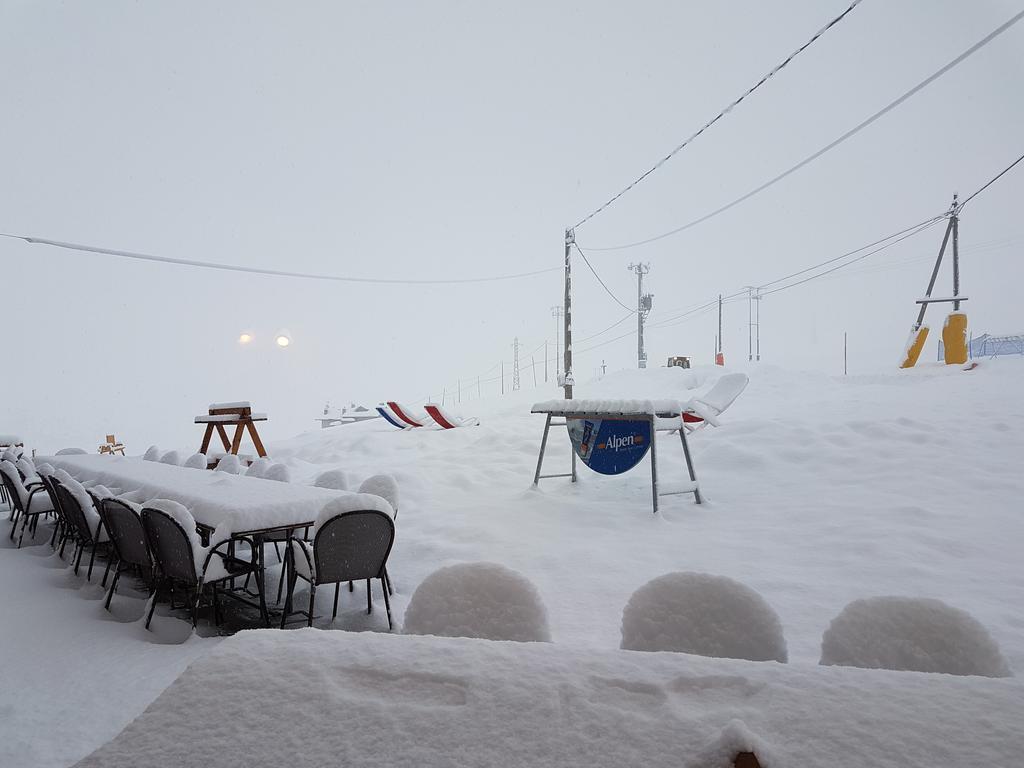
{"x": 607, "y": 290}
{"x": 724, "y": 112}
{"x": 989, "y": 182}
{"x": 811, "y": 158}
{"x": 270, "y": 272}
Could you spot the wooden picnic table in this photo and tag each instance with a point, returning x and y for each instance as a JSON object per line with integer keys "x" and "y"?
{"x": 239, "y": 415}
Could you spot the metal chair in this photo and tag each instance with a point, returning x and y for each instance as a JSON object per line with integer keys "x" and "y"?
{"x": 174, "y": 555}
{"x": 351, "y": 546}
{"x": 127, "y": 543}
{"x": 85, "y": 534}
{"x": 26, "y": 503}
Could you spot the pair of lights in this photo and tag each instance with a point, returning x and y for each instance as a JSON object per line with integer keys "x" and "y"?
{"x": 281, "y": 338}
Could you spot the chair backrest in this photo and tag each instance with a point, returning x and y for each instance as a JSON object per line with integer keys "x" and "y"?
{"x": 111, "y": 440}
{"x": 352, "y": 546}
{"x": 127, "y": 535}
{"x": 170, "y": 545}
{"x": 13, "y": 491}
{"x": 50, "y": 484}
{"x": 73, "y": 513}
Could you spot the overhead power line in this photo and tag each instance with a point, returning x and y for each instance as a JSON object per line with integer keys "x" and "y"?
{"x": 889, "y": 244}
{"x": 828, "y": 147}
{"x": 606, "y": 288}
{"x": 989, "y": 183}
{"x": 271, "y": 272}
{"x": 724, "y": 112}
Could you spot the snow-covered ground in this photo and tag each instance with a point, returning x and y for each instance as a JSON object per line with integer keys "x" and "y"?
{"x": 820, "y": 491}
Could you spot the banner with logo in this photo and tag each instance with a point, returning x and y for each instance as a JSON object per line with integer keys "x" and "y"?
{"x": 610, "y": 446}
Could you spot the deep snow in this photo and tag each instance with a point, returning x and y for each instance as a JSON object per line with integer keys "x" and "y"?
{"x": 821, "y": 491}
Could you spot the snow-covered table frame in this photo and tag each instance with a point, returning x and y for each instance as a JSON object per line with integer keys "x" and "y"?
{"x": 616, "y": 411}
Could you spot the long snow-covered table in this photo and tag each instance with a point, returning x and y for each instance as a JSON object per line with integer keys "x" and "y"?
{"x": 242, "y": 504}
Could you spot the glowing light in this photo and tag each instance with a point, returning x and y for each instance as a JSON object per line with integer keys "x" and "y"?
{"x": 282, "y": 340}
{"x": 245, "y": 338}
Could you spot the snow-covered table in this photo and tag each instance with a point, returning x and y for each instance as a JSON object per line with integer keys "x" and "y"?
{"x": 241, "y": 504}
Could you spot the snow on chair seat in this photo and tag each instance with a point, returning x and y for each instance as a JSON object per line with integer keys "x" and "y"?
{"x": 446, "y": 420}
{"x": 705, "y": 409}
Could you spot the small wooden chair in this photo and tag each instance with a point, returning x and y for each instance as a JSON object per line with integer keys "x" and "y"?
{"x": 112, "y": 446}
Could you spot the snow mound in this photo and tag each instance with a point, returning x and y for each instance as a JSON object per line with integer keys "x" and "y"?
{"x": 915, "y": 634}
{"x": 173, "y": 458}
{"x": 705, "y": 615}
{"x": 333, "y": 479}
{"x": 258, "y": 468}
{"x": 279, "y": 472}
{"x": 152, "y": 453}
{"x": 383, "y": 486}
{"x": 72, "y": 452}
{"x": 229, "y": 463}
{"x": 483, "y": 600}
{"x": 196, "y": 461}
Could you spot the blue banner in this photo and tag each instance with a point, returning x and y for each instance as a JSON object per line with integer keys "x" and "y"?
{"x": 610, "y": 446}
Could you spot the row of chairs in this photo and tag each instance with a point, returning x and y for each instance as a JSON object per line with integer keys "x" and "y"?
{"x": 160, "y": 540}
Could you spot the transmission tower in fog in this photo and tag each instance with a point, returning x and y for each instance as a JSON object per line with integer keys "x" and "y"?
{"x": 515, "y": 364}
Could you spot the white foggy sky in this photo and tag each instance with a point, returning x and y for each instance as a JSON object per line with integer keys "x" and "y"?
{"x": 457, "y": 140}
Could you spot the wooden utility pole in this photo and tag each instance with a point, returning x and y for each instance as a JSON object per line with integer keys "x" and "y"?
{"x": 568, "y": 381}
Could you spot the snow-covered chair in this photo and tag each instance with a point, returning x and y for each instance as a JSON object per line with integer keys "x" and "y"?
{"x": 700, "y": 411}
{"x": 153, "y": 453}
{"x": 183, "y": 560}
{"x": 173, "y": 458}
{"x": 406, "y": 414}
{"x": 352, "y": 538}
{"x": 446, "y": 420}
{"x": 229, "y": 463}
{"x": 80, "y": 514}
{"x": 334, "y": 479}
{"x": 278, "y": 472}
{"x": 196, "y": 461}
{"x": 259, "y": 467}
{"x": 390, "y": 417}
{"x": 383, "y": 486}
{"x": 128, "y": 547}
{"x": 72, "y": 452}
{"x": 27, "y": 502}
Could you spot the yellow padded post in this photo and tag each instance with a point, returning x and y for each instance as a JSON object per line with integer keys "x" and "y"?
{"x": 914, "y": 346}
{"x": 954, "y": 338}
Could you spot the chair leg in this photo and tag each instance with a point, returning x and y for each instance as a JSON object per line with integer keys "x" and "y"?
{"x": 260, "y": 587}
{"x": 79, "y": 551}
{"x": 278, "y": 550}
{"x": 369, "y": 599}
{"x": 280, "y": 581}
{"x": 312, "y": 599}
{"x": 14, "y": 523}
{"x": 292, "y": 578}
{"x": 350, "y": 587}
{"x": 53, "y": 538}
{"x": 24, "y": 524}
{"x": 337, "y": 589}
{"x": 387, "y": 582}
{"x": 194, "y": 604}
{"x": 216, "y": 606}
{"x": 92, "y": 559}
{"x": 387, "y": 603}
{"x": 152, "y": 602}
{"x": 113, "y": 586}
{"x": 106, "y": 571}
